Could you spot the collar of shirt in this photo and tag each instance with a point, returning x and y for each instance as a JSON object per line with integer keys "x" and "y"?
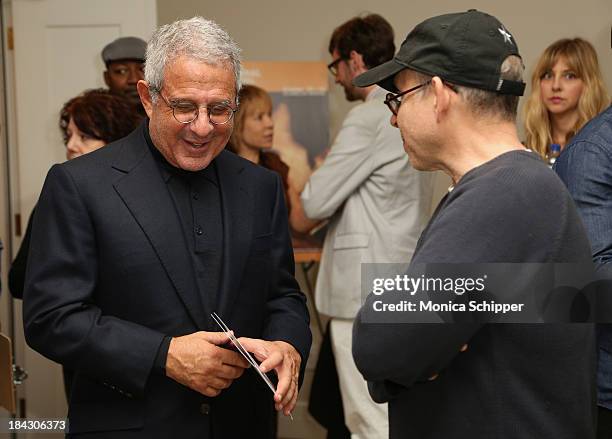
{"x": 376, "y": 93}
{"x": 168, "y": 171}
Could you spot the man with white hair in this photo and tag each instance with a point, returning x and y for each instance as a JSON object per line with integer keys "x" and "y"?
{"x": 134, "y": 246}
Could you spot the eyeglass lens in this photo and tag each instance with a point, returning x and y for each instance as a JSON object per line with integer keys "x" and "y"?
{"x": 188, "y": 112}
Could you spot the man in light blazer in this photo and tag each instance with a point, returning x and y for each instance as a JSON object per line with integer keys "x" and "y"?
{"x": 135, "y": 245}
{"x": 376, "y": 203}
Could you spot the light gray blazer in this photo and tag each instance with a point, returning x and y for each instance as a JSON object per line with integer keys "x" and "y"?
{"x": 376, "y": 202}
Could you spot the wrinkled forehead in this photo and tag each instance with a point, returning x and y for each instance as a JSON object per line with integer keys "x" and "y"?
{"x": 188, "y": 70}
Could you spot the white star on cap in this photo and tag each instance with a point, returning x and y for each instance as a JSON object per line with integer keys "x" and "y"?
{"x": 506, "y": 34}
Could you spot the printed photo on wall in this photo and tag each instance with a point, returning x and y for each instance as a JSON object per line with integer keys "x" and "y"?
{"x": 300, "y": 112}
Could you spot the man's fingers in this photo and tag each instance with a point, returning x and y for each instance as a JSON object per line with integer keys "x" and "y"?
{"x": 274, "y": 360}
{"x": 250, "y": 344}
{"x": 288, "y": 396}
{"x": 256, "y": 347}
{"x": 283, "y": 358}
{"x": 210, "y": 391}
{"x": 219, "y": 383}
{"x": 435, "y": 375}
{"x": 289, "y": 401}
{"x": 230, "y": 372}
{"x": 286, "y": 374}
{"x": 232, "y": 358}
{"x": 196, "y": 361}
{"x": 291, "y": 405}
{"x": 282, "y": 388}
{"x": 217, "y": 338}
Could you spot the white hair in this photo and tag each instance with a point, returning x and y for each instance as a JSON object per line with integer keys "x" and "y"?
{"x": 197, "y": 38}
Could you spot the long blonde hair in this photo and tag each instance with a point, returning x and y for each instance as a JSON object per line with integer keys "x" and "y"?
{"x": 582, "y": 59}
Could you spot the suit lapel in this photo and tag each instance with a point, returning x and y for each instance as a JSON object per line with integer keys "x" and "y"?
{"x": 237, "y": 228}
{"x": 145, "y": 194}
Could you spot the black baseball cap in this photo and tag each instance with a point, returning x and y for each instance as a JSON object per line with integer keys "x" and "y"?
{"x": 466, "y": 48}
{"x": 124, "y": 48}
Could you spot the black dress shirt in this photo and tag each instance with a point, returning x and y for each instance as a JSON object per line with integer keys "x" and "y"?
{"x": 197, "y": 201}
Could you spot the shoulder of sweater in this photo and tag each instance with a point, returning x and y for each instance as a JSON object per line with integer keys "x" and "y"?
{"x": 512, "y": 173}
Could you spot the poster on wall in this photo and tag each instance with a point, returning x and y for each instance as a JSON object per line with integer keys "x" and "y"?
{"x": 299, "y": 92}
{"x": 300, "y": 111}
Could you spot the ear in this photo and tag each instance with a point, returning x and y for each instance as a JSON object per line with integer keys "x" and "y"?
{"x": 356, "y": 63}
{"x": 106, "y": 78}
{"x": 442, "y": 97}
{"x": 145, "y": 97}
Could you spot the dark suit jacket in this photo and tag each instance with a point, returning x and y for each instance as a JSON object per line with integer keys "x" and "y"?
{"x": 109, "y": 276}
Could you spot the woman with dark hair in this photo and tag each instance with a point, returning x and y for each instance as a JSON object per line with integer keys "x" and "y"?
{"x": 88, "y": 122}
{"x": 95, "y": 118}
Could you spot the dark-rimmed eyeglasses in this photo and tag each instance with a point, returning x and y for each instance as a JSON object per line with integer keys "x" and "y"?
{"x": 393, "y": 100}
{"x": 333, "y": 66}
{"x": 186, "y": 112}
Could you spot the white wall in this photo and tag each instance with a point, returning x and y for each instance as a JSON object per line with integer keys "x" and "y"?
{"x": 289, "y": 30}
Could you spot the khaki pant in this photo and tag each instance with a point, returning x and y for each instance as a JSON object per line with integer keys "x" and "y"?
{"x": 364, "y": 418}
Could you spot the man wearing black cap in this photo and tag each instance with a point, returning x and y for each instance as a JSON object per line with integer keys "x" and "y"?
{"x": 454, "y": 89}
{"x": 124, "y": 60}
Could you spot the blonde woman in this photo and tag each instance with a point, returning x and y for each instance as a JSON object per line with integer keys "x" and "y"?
{"x": 252, "y": 139}
{"x": 567, "y": 90}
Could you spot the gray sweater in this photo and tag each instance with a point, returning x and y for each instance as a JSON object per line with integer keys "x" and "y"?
{"x": 514, "y": 381}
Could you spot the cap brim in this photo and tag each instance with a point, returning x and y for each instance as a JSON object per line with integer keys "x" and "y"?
{"x": 125, "y": 58}
{"x": 382, "y": 75}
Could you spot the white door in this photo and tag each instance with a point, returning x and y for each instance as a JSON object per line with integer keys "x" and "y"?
{"x": 57, "y": 45}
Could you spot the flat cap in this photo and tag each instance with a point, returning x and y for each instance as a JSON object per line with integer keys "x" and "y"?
{"x": 124, "y": 48}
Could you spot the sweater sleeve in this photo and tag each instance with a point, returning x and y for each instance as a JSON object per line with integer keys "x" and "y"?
{"x": 481, "y": 221}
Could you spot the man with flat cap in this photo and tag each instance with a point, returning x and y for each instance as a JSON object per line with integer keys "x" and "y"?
{"x": 124, "y": 60}
{"x": 454, "y": 88}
